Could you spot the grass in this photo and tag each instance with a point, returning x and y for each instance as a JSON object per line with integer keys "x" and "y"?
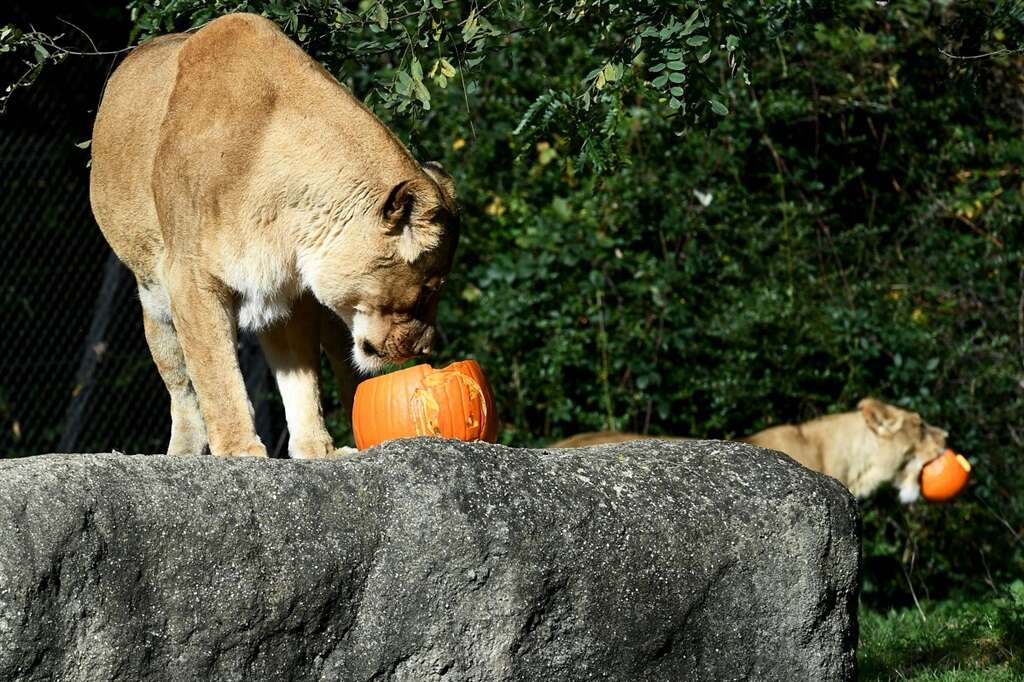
{"x": 978, "y": 639}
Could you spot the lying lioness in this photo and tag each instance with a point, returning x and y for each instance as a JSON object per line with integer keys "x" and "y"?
{"x": 877, "y": 444}
{"x": 245, "y": 187}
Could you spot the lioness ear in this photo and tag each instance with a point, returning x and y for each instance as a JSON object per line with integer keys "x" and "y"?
{"x": 880, "y": 419}
{"x": 443, "y": 179}
{"x": 398, "y": 205}
{"x": 402, "y": 218}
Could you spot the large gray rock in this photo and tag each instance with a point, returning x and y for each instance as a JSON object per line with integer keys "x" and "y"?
{"x": 429, "y": 560}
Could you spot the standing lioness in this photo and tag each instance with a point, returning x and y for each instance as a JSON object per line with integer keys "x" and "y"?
{"x": 245, "y": 187}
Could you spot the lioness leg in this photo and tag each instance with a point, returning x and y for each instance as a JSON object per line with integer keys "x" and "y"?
{"x": 293, "y": 351}
{"x": 203, "y": 313}
{"x": 337, "y": 344}
{"x": 188, "y": 432}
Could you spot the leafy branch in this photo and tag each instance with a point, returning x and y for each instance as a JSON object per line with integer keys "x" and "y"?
{"x": 678, "y": 60}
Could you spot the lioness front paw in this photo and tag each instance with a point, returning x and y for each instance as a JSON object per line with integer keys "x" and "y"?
{"x": 252, "y": 450}
{"x": 333, "y": 453}
{"x": 310, "y": 449}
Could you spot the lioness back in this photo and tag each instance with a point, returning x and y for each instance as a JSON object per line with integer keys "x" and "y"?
{"x": 582, "y": 440}
{"x": 223, "y": 112}
{"x": 790, "y": 440}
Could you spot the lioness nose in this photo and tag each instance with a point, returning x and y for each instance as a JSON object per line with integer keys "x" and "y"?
{"x": 369, "y": 348}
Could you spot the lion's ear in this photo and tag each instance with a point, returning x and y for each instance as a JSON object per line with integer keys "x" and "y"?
{"x": 880, "y": 418}
{"x": 402, "y": 218}
{"x": 398, "y": 205}
{"x": 443, "y": 179}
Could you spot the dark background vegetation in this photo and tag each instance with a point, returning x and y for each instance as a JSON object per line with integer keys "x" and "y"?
{"x": 52, "y": 257}
{"x": 851, "y": 227}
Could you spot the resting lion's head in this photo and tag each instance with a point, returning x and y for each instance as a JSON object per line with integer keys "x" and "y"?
{"x": 388, "y": 266}
{"x": 905, "y": 443}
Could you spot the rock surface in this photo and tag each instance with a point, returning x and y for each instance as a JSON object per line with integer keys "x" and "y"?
{"x": 429, "y": 560}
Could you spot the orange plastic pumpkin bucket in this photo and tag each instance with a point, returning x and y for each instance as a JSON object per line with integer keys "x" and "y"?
{"x": 945, "y": 477}
{"x": 454, "y": 402}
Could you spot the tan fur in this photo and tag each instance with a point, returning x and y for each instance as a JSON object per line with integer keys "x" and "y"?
{"x": 582, "y": 440}
{"x": 246, "y": 188}
{"x": 877, "y": 444}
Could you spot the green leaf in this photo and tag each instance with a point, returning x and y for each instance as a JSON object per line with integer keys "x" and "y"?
{"x": 612, "y": 72}
{"x": 676, "y": 66}
{"x": 718, "y": 107}
{"x": 42, "y": 54}
{"x": 422, "y": 94}
{"x": 84, "y": 145}
{"x": 731, "y": 43}
{"x": 658, "y": 67}
{"x": 677, "y": 77}
{"x": 696, "y": 40}
{"x": 416, "y": 69}
{"x": 660, "y": 81}
{"x": 471, "y": 26}
{"x": 381, "y": 15}
{"x": 404, "y": 84}
{"x": 691, "y": 23}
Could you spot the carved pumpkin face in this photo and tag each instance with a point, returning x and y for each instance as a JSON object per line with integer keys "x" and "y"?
{"x": 944, "y": 477}
{"x": 454, "y": 402}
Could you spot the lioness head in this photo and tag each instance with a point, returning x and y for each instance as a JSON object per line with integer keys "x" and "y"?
{"x": 906, "y": 443}
{"x": 388, "y": 268}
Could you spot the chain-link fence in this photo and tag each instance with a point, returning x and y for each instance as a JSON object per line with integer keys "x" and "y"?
{"x": 75, "y": 372}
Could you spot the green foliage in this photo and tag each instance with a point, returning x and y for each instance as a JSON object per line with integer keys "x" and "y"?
{"x": 36, "y": 51}
{"x": 958, "y": 640}
{"x": 597, "y": 54}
